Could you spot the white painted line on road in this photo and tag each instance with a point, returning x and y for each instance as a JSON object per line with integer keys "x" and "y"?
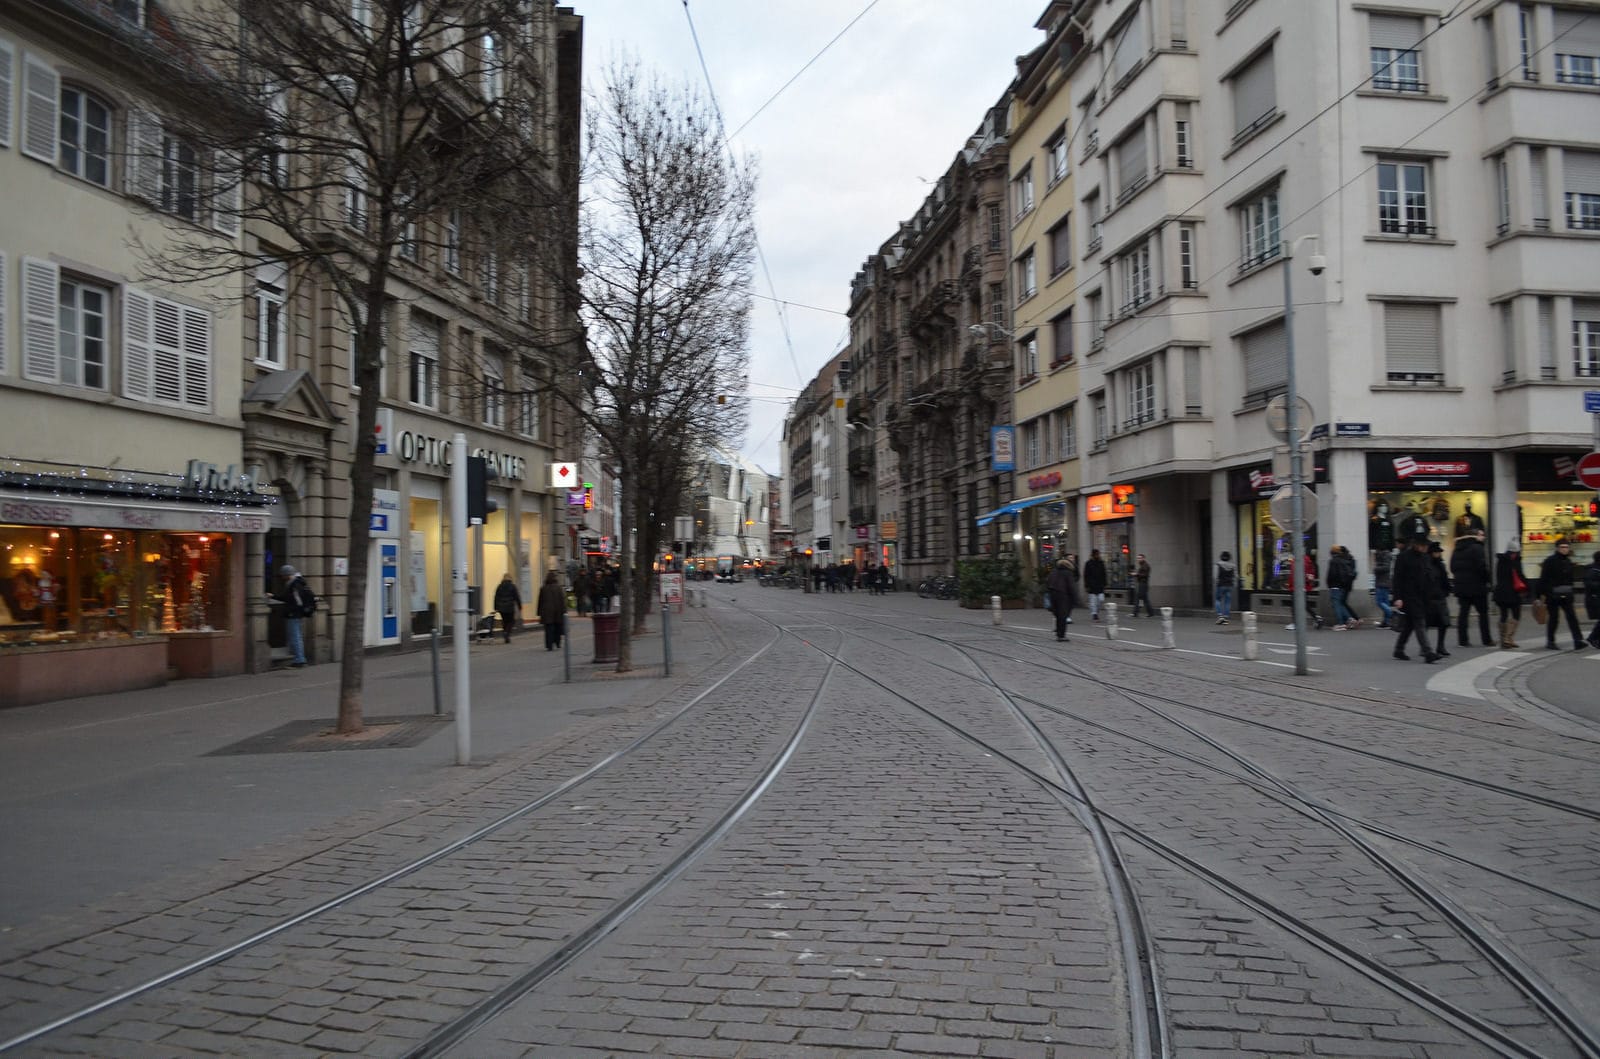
{"x": 1462, "y": 678}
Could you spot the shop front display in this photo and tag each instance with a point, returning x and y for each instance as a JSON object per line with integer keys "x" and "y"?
{"x": 1264, "y": 550}
{"x": 1552, "y": 506}
{"x": 1110, "y": 516}
{"x": 1445, "y": 493}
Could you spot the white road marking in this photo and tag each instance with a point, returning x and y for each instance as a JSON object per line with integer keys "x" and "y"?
{"x": 1462, "y": 677}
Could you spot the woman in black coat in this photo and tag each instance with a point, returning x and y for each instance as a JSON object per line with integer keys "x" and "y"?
{"x": 552, "y": 611}
{"x": 1063, "y": 589}
{"x": 1509, "y": 586}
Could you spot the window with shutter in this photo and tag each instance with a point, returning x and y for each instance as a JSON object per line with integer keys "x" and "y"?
{"x": 41, "y": 89}
{"x": 1411, "y": 339}
{"x": 1255, "y": 98}
{"x": 1266, "y": 362}
{"x": 227, "y": 186}
{"x": 40, "y": 337}
{"x": 1547, "y": 337}
{"x": 1577, "y": 47}
{"x": 1586, "y": 339}
{"x": 166, "y": 350}
{"x": 196, "y": 359}
{"x": 8, "y": 63}
{"x": 1132, "y": 163}
{"x": 1508, "y": 341}
{"x": 138, "y": 312}
{"x": 1060, "y": 247}
{"x": 1537, "y": 190}
{"x": 1580, "y": 175}
{"x": 272, "y": 285}
{"x": 1396, "y": 55}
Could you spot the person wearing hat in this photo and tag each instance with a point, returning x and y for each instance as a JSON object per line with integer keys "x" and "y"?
{"x": 1063, "y": 589}
{"x": 1410, "y": 593}
{"x": 1439, "y": 589}
{"x": 298, "y": 604}
{"x": 1509, "y": 587}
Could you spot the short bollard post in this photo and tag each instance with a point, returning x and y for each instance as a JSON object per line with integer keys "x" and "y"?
{"x": 1168, "y": 638}
{"x": 1252, "y": 649}
{"x": 994, "y": 609}
{"x": 1108, "y": 613}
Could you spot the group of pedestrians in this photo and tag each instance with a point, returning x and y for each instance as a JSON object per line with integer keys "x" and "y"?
{"x": 845, "y": 577}
{"x": 1066, "y": 589}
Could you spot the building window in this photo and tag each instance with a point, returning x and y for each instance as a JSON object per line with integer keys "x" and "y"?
{"x": 1102, "y": 430}
{"x": 1403, "y": 199}
{"x": 1412, "y": 352}
{"x": 1546, "y": 307}
{"x": 997, "y": 227}
{"x": 355, "y": 198}
{"x": 1577, "y": 36}
{"x": 1396, "y": 62}
{"x": 1183, "y": 137}
{"x": 1136, "y": 278}
{"x": 1027, "y": 277}
{"x": 1030, "y": 445}
{"x": 180, "y": 177}
{"x": 452, "y": 242}
{"x": 491, "y": 275}
{"x": 1140, "y": 384}
{"x": 1061, "y": 246}
{"x": 272, "y": 341}
{"x": 1525, "y": 42}
{"x": 383, "y": 354}
{"x": 1188, "y": 273}
{"x": 997, "y": 304}
{"x": 166, "y": 352}
{"x": 1255, "y": 96}
{"x": 1097, "y": 321}
{"x": 1502, "y": 187}
{"x": 1022, "y": 193}
{"x": 1266, "y": 362}
{"x": 494, "y": 389}
{"x": 1091, "y": 209}
{"x": 1132, "y": 160}
{"x": 1056, "y": 155}
{"x": 1069, "y": 432}
{"x": 1061, "y": 340}
{"x": 1259, "y": 238}
{"x": 1580, "y": 172}
{"x": 81, "y": 340}
{"x": 1508, "y": 341}
{"x": 275, "y": 155}
{"x": 1586, "y": 339}
{"x": 493, "y": 67}
{"x": 1027, "y": 357}
{"x": 528, "y": 418}
{"x": 424, "y": 374}
{"x": 85, "y": 136}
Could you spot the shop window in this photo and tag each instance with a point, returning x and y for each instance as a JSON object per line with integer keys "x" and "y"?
{"x": 71, "y": 585}
{"x": 1265, "y": 551}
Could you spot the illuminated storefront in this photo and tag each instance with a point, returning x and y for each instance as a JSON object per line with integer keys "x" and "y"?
{"x": 1450, "y": 491}
{"x": 1552, "y": 505}
{"x": 144, "y": 569}
{"x": 1110, "y": 517}
{"x": 1263, "y": 550}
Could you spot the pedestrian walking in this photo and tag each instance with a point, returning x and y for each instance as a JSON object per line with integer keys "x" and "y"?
{"x": 583, "y": 590}
{"x": 1591, "y": 597}
{"x": 1555, "y": 585}
{"x": 1410, "y": 590}
{"x": 1382, "y": 581}
{"x": 299, "y": 603}
{"x": 1094, "y": 583}
{"x": 1141, "y": 587}
{"x": 607, "y": 590}
{"x": 1308, "y": 570}
{"x": 552, "y": 611}
{"x": 1341, "y": 579}
{"x": 1063, "y": 589}
{"x": 508, "y": 603}
{"x": 1469, "y": 569}
{"x": 1509, "y": 588}
{"x": 1227, "y": 574}
{"x": 1439, "y": 589}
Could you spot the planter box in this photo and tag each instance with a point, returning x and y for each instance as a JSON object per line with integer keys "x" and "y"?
{"x": 45, "y": 673}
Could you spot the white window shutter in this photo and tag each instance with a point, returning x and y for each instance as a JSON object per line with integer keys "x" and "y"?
{"x": 196, "y": 358}
{"x": 41, "y": 294}
{"x": 166, "y": 347}
{"x": 138, "y": 311}
{"x": 142, "y": 171}
{"x": 227, "y": 174}
{"x": 8, "y": 63}
{"x": 4, "y": 324}
{"x": 41, "y": 102}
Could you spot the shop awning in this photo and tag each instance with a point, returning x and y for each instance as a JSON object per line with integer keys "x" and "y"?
{"x": 1016, "y": 506}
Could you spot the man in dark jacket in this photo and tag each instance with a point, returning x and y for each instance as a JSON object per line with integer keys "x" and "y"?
{"x": 1469, "y": 567}
{"x": 1438, "y": 595}
{"x": 1063, "y": 589}
{"x": 1556, "y": 574}
{"x": 1094, "y": 583}
{"x": 1410, "y": 597}
{"x": 507, "y": 603}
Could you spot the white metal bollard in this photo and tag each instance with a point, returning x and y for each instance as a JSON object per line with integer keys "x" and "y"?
{"x": 1252, "y": 649}
{"x": 1168, "y": 638}
{"x": 994, "y": 609}
{"x": 1108, "y": 616}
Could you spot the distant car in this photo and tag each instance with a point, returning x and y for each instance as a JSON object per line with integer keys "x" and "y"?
{"x": 728, "y": 576}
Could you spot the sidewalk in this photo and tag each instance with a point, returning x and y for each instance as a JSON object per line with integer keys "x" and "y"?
{"x": 105, "y": 794}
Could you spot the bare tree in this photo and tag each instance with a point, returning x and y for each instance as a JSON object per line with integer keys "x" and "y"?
{"x": 354, "y": 136}
{"x": 667, "y": 244}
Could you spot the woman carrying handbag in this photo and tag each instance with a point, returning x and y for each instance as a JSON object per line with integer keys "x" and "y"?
{"x": 1509, "y": 588}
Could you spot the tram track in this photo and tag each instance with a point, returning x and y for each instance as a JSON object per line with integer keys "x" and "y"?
{"x": 1556, "y": 1007}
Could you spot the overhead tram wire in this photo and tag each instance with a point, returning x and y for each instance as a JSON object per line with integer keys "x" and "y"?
{"x": 847, "y": 27}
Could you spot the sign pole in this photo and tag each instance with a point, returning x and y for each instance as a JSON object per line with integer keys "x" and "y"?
{"x": 462, "y": 633}
{"x": 1296, "y": 479}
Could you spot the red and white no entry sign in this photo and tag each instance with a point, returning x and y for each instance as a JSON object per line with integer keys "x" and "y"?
{"x": 1589, "y": 471}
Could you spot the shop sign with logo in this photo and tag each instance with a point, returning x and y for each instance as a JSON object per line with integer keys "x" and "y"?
{"x": 385, "y": 513}
{"x": 1548, "y": 470}
{"x": 413, "y": 446}
{"x": 1002, "y": 448}
{"x": 888, "y": 529}
{"x": 1428, "y": 470}
{"x": 1259, "y": 483}
{"x": 1101, "y": 507}
{"x": 1044, "y": 481}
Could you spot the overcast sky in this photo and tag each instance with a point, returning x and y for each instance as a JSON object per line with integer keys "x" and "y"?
{"x": 845, "y": 152}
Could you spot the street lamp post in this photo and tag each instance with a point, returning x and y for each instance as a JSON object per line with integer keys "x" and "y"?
{"x": 1297, "y": 544}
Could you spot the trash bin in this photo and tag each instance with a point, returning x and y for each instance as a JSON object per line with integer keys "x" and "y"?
{"x": 605, "y": 636}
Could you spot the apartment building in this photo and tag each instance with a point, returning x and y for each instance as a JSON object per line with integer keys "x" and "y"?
{"x": 1442, "y": 176}
{"x": 168, "y": 445}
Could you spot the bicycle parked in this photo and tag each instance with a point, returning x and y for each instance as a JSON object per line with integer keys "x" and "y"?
{"x": 939, "y": 588}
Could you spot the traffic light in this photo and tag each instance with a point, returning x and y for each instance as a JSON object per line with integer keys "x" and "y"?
{"x": 480, "y": 472}
{"x": 1594, "y": 509}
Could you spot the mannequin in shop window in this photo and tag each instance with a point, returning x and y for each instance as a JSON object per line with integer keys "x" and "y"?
{"x": 1469, "y": 523}
{"x": 1380, "y": 529}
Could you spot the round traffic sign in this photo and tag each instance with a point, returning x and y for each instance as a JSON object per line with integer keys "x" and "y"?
{"x": 1589, "y": 471}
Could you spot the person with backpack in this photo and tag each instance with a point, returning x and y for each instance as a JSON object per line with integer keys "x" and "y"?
{"x": 508, "y": 603}
{"x": 299, "y": 603}
{"x": 1227, "y": 573}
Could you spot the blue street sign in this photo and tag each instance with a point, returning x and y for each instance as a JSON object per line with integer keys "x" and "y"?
{"x": 379, "y": 522}
{"x": 1591, "y": 401}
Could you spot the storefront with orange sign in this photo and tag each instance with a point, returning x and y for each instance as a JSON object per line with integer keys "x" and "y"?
{"x": 1111, "y": 522}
